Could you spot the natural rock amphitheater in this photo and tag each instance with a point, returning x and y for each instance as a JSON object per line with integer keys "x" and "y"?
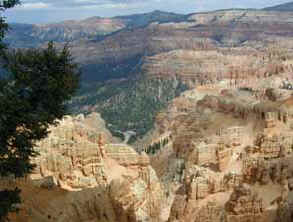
{"x": 228, "y": 157}
{"x": 225, "y": 150}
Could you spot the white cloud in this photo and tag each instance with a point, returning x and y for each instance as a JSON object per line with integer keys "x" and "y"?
{"x": 37, "y": 5}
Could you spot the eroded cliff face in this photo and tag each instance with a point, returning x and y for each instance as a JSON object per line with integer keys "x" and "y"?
{"x": 229, "y": 156}
{"x": 84, "y": 174}
{"x": 221, "y": 151}
{"x": 200, "y": 30}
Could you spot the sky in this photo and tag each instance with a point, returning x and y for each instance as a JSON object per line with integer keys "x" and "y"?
{"x": 50, "y": 11}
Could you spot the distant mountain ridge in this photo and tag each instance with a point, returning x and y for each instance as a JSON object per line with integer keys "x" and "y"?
{"x": 138, "y": 20}
{"x": 282, "y": 7}
{"x": 31, "y": 35}
{"x": 97, "y": 28}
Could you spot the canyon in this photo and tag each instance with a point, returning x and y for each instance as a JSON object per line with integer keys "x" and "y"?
{"x": 225, "y": 154}
{"x": 210, "y": 99}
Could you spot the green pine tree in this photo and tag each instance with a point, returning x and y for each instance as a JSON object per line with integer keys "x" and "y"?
{"x": 34, "y": 87}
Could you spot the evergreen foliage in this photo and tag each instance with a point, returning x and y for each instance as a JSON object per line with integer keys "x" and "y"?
{"x": 154, "y": 148}
{"x": 8, "y": 198}
{"x": 33, "y": 93}
{"x": 128, "y": 105}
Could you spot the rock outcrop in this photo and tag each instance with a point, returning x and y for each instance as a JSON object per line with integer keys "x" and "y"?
{"x": 235, "y": 149}
{"x": 91, "y": 176}
{"x": 220, "y": 152}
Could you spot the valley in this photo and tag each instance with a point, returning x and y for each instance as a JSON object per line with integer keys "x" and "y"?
{"x": 142, "y": 53}
{"x": 179, "y": 118}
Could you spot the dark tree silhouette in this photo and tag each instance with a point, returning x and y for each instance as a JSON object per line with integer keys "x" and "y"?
{"x": 34, "y": 86}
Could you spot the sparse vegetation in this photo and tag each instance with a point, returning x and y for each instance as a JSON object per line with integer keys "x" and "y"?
{"x": 154, "y": 148}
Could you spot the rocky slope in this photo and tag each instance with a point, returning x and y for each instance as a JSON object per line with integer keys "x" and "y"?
{"x": 229, "y": 155}
{"x": 116, "y": 55}
{"x": 212, "y": 94}
{"x": 126, "y": 105}
{"x": 159, "y": 51}
{"x": 221, "y": 151}
{"x": 220, "y": 28}
{"x": 83, "y": 174}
